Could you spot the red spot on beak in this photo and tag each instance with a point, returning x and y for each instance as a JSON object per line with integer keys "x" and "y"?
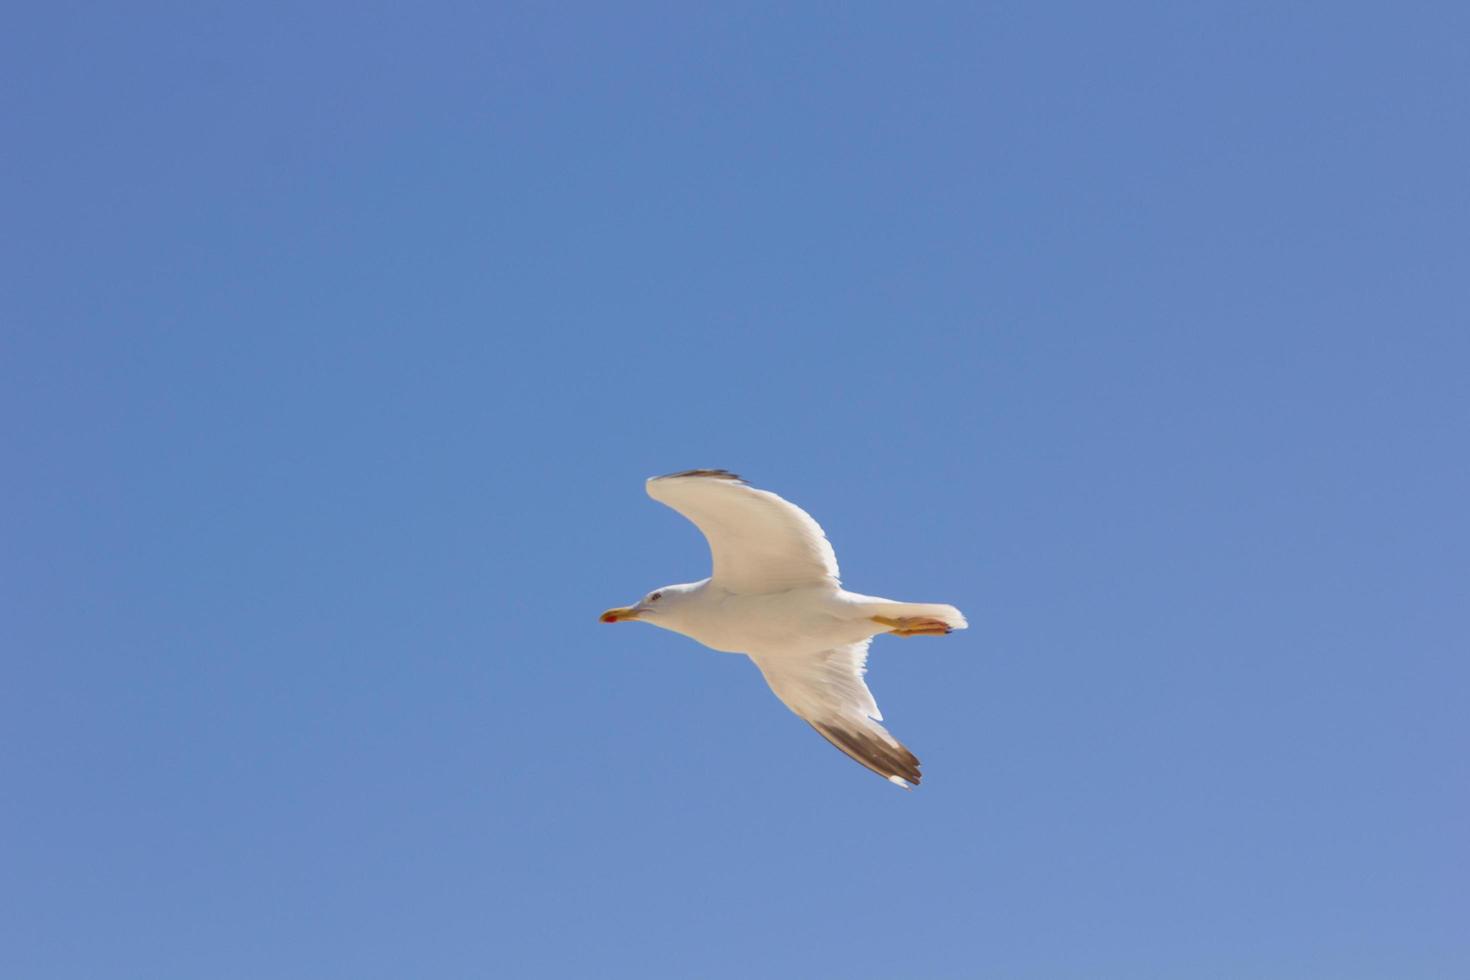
{"x": 608, "y": 617}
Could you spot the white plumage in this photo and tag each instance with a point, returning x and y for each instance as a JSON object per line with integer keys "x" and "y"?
{"x": 775, "y": 596}
{"x": 759, "y": 542}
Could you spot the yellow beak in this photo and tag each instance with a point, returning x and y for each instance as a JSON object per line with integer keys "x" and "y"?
{"x": 620, "y": 614}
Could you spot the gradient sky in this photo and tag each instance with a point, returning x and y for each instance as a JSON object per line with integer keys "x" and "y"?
{"x": 337, "y": 340}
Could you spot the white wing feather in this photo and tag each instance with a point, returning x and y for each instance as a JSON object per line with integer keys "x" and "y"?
{"x": 758, "y": 541}
{"x": 827, "y": 690}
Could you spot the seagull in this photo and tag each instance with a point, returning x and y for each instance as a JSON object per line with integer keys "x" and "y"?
{"x": 775, "y": 597}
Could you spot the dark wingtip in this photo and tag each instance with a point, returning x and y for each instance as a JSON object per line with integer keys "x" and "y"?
{"x": 885, "y": 759}
{"x": 708, "y": 474}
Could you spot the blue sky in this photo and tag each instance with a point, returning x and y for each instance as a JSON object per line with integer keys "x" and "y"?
{"x": 336, "y": 341}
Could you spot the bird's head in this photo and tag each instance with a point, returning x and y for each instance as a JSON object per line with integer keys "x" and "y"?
{"x": 658, "y": 607}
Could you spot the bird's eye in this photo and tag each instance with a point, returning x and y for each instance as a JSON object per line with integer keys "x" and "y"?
{"x": 655, "y": 597}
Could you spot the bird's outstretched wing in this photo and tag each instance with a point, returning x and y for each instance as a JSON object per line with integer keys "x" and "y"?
{"x": 759, "y": 542}
{"x": 826, "y": 689}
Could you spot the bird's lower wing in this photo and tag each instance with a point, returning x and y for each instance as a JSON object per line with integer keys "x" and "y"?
{"x": 826, "y": 689}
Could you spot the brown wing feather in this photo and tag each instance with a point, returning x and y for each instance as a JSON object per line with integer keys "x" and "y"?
{"x": 711, "y": 474}
{"x": 869, "y": 750}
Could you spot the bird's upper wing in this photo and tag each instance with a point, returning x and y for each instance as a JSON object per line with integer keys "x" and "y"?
{"x": 827, "y": 690}
{"x": 759, "y": 542}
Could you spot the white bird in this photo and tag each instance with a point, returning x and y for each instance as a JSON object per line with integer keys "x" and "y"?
{"x": 775, "y": 597}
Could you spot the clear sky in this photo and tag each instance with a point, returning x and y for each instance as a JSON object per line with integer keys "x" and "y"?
{"x": 337, "y": 341}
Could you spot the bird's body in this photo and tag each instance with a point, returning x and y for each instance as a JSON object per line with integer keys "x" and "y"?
{"x": 775, "y": 596}
{"x": 794, "y": 622}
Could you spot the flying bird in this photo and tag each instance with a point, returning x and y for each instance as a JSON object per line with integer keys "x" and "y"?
{"x": 775, "y": 597}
